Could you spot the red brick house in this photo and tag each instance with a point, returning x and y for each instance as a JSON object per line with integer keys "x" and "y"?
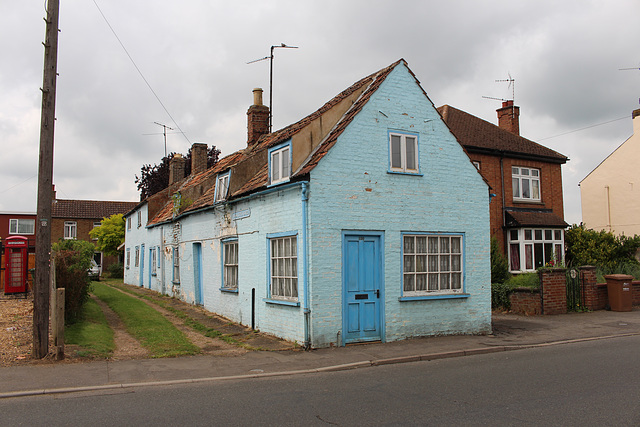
{"x": 73, "y": 219}
{"x": 527, "y": 213}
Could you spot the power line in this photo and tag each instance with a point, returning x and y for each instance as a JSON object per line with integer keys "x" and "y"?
{"x": 140, "y": 72}
{"x": 587, "y": 127}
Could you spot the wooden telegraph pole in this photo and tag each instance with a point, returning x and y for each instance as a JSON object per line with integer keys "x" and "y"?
{"x": 41, "y": 291}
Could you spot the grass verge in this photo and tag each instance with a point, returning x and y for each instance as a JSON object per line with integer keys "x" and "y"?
{"x": 91, "y": 332}
{"x": 152, "y": 329}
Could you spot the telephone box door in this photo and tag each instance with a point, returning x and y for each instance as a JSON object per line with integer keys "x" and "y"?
{"x": 16, "y": 264}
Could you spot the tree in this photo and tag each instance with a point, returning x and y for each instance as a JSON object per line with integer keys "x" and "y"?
{"x": 156, "y": 178}
{"x": 110, "y": 234}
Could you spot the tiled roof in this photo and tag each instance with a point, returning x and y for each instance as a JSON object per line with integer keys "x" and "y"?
{"x": 258, "y": 178}
{"x": 533, "y": 219}
{"x": 89, "y": 209}
{"x": 475, "y": 133}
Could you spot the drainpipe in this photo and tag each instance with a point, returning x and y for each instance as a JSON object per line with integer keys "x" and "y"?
{"x": 305, "y": 265}
{"x": 161, "y": 256}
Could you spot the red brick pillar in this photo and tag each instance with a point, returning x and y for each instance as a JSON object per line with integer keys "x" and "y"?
{"x": 553, "y": 288}
{"x": 589, "y": 287}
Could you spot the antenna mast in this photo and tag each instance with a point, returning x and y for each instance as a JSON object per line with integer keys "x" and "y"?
{"x": 512, "y": 85}
{"x": 164, "y": 132}
{"x": 270, "y": 58}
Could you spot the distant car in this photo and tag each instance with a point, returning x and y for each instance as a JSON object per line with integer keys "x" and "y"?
{"x": 94, "y": 271}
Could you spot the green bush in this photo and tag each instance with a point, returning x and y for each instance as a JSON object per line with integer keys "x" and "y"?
{"x": 116, "y": 270}
{"x": 73, "y": 260}
{"x": 602, "y": 249}
{"x": 524, "y": 280}
{"x": 499, "y": 263}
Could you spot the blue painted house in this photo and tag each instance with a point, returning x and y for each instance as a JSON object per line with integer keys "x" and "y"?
{"x": 364, "y": 221}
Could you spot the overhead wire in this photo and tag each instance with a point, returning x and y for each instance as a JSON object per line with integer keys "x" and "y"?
{"x": 140, "y": 72}
{"x": 584, "y": 128}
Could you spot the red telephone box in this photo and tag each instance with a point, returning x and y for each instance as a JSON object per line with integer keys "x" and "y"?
{"x": 16, "y": 260}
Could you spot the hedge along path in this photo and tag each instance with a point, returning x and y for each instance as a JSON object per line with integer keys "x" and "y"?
{"x": 154, "y": 332}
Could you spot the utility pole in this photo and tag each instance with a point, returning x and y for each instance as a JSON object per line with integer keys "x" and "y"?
{"x": 41, "y": 291}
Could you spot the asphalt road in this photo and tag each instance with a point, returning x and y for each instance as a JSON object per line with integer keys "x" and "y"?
{"x": 588, "y": 383}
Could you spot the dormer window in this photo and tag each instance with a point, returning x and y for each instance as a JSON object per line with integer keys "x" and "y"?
{"x": 280, "y": 164}
{"x": 222, "y": 187}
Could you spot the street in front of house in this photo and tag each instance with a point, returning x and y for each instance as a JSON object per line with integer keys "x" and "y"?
{"x": 583, "y": 383}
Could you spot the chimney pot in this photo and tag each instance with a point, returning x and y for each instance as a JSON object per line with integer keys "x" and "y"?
{"x": 257, "y": 96}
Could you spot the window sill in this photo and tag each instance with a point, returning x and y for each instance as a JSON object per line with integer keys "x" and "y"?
{"x": 281, "y": 181}
{"x": 433, "y": 297}
{"x": 528, "y": 201}
{"x": 404, "y": 173}
{"x": 282, "y": 302}
{"x": 229, "y": 290}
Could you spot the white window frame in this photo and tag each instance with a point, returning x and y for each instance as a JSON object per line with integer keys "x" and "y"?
{"x": 283, "y": 267}
{"x": 18, "y": 225}
{"x": 129, "y": 223}
{"x": 432, "y": 264}
{"x": 154, "y": 261}
{"x": 139, "y": 219}
{"x": 230, "y": 264}
{"x": 279, "y": 168}
{"x": 399, "y": 149}
{"x": 222, "y": 187}
{"x": 128, "y": 257}
{"x": 96, "y": 224}
{"x": 476, "y": 164}
{"x": 137, "y": 257}
{"x": 531, "y": 248}
{"x": 175, "y": 278}
{"x": 531, "y": 176}
{"x": 70, "y": 230}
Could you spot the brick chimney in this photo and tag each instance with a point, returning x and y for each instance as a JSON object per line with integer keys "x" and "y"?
{"x": 257, "y": 119}
{"x": 176, "y": 168}
{"x": 508, "y": 117}
{"x": 198, "y": 158}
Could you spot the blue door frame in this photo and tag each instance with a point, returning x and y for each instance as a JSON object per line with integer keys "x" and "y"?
{"x": 362, "y": 287}
{"x": 197, "y": 272}
{"x": 141, "y": 265}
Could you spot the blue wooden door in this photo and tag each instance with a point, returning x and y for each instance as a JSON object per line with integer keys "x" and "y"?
{"x": 197, "y": 272}
{"x": 141, "y": 265}
{"x": 362, "y": 278}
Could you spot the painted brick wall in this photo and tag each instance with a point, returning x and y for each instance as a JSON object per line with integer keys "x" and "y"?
{"x": 351, "y": 189}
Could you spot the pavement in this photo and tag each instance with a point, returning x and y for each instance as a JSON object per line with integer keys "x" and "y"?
{"x": 510, "y": 332}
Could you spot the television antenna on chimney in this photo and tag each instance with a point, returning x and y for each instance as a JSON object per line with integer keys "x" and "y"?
{"x": 632, "y": 68}
{"x": 164, "y": 132}
{"x": 270, "y": 58}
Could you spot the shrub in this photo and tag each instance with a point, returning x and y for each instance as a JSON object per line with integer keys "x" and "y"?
{"x": 73, "y": 260}
{"x": 499, "y": 264}
{"x": 600, "y": 248}
{"x": 116, "y": 270}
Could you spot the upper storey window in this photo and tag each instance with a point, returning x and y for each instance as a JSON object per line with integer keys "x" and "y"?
{"x": 403, "y": 152}
{"x": 280, "y": 164}
{"x": 526, "y": 184}
{"x": 222, "y": 187}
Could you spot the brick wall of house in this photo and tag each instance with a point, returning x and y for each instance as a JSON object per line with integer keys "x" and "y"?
{"x": 550, "y": 183}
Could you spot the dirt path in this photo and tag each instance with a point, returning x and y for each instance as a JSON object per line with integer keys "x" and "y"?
{"x": 127, "y": 347}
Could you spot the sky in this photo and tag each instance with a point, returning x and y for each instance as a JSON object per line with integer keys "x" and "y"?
{"x": 184, "y": 64}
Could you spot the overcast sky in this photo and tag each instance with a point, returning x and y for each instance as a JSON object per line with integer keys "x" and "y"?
{"x": 564, "y": 56}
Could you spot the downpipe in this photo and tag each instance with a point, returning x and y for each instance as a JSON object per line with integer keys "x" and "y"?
{"x": 305, "y": 267}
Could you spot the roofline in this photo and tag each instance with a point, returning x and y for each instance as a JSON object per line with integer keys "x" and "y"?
{"x": 515, "y": 155}
{"x": 604, "y": 160}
